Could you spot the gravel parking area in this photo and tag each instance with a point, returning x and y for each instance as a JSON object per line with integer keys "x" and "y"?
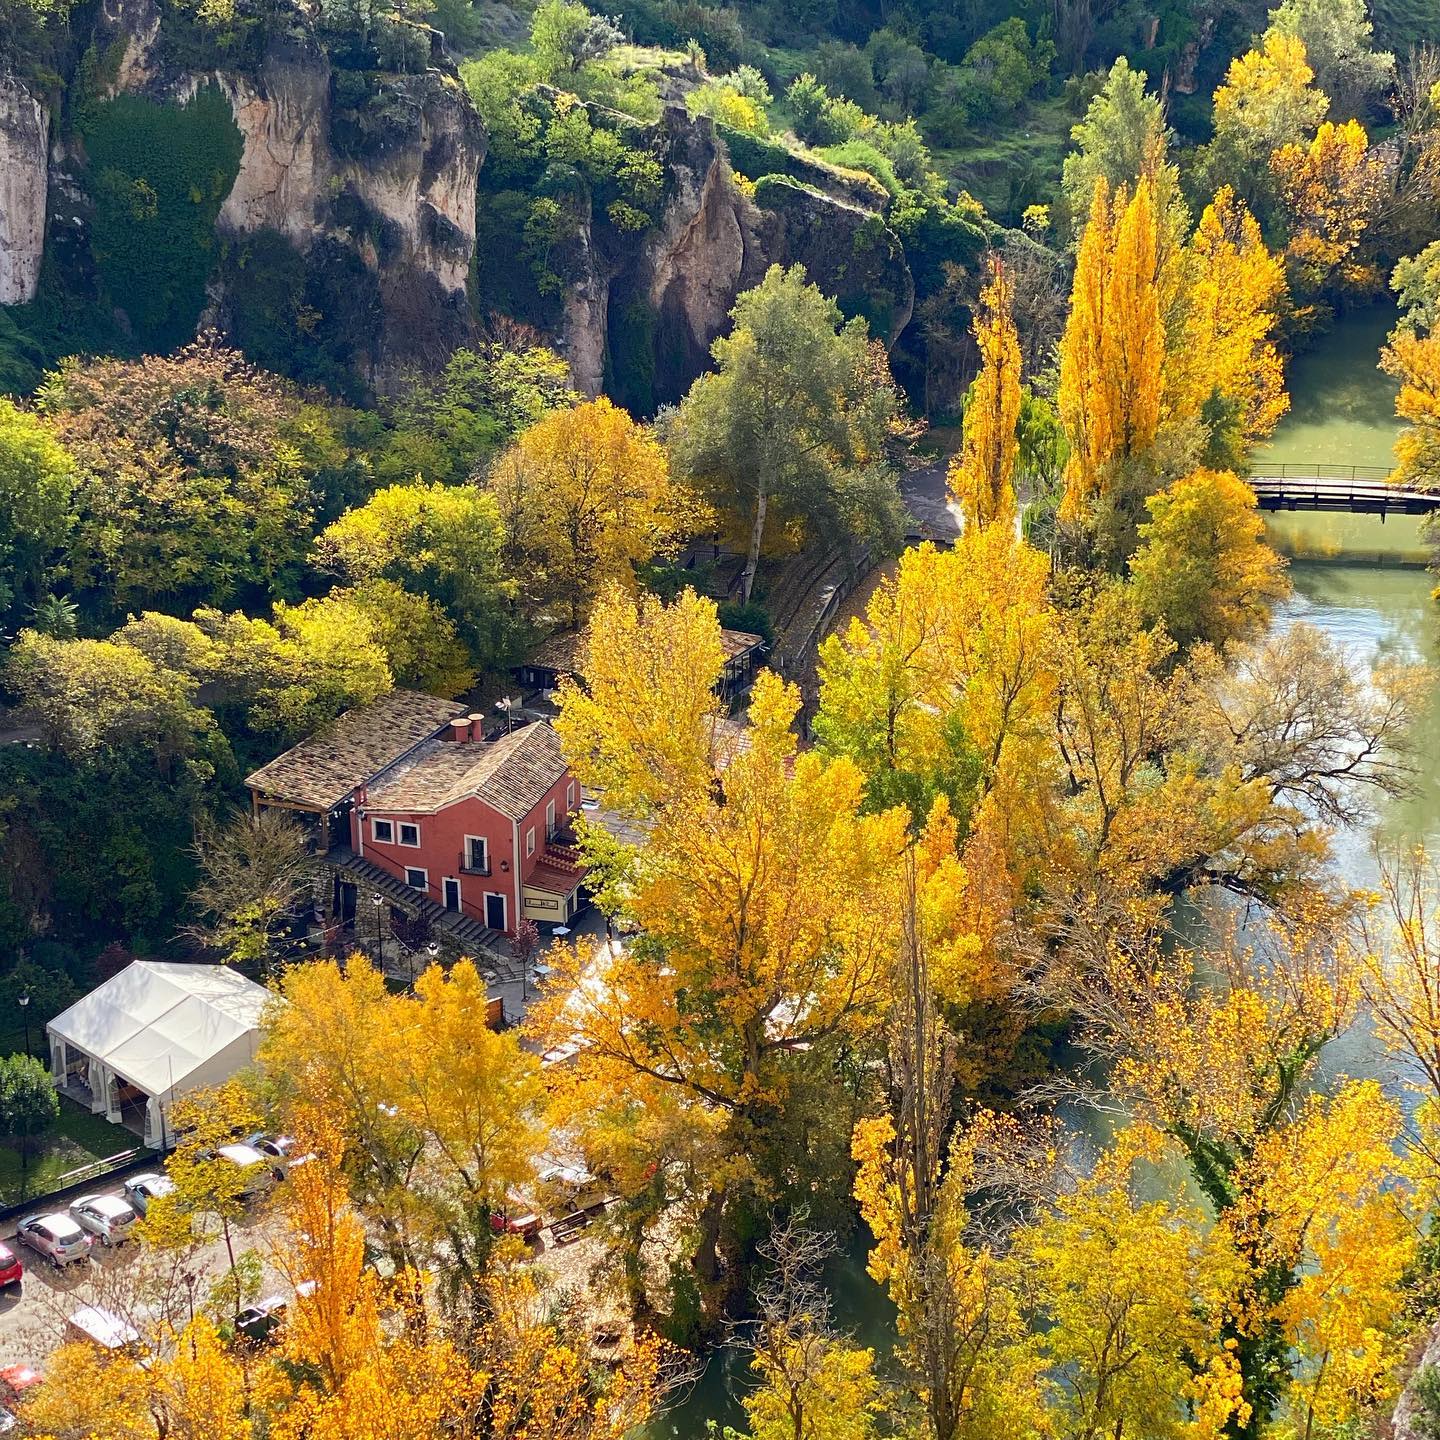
{"x": 33, "y": 1314}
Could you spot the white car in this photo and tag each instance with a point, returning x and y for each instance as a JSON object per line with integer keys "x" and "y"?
{"x": 140, "y": 1190}
{"x": 257, "y": 1168}
{"x": 107, "y": 1217}
{"x": 57, "y": 1237}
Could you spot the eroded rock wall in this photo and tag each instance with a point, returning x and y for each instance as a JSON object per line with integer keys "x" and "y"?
{"x": 712, "y": 241}
{"x": 24, "y": 183}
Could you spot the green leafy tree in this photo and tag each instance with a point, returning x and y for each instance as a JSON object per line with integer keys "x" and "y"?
{"x": 566, "y": 36}
{"x": 1416, "y": 283}
{"x": 97, "y": 695}
{"x": 446, "y": 427}
{"x": 790, "y": 430}
{"x": 29, "y": 1105}
{"x": 194, "y": 485}
{"x": 37, "y": 474}
{"x": 1122, "y": 135}
{"x": 436, "y": 540}
{"x": 1337, "y": 36}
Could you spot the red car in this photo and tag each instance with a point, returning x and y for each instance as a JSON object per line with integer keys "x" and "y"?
{"x": 15, "y": 1380}
{"x": 10, "y": 1267}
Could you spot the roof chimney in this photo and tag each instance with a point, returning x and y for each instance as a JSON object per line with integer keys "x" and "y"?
{"x": 477, "y": 725}
{"x": 459, "y": 728}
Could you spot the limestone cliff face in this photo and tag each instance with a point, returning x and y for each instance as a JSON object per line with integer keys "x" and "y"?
{"x": 24, "y": 180}
{"x": 401, "y": 200}
{"x": 711, "y": 242}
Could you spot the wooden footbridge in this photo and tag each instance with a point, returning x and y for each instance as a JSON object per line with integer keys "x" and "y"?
{"x": 1351, "y": 489}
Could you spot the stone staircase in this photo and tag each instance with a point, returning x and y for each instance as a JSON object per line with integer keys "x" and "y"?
{"x": 467, "y": 935}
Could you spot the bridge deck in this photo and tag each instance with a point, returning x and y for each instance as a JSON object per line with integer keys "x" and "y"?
{"x": 1356, "y": 490}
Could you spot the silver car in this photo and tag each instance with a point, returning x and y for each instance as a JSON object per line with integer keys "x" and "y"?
{"x": 107, "y": 1217}
{"x": 140, "y": 1190}
{"x": 57, "y": 1237}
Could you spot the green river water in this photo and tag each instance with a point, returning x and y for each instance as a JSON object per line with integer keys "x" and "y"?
{"x": 1362, "y": 581}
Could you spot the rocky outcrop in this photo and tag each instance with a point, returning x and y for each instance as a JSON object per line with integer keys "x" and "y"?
{"x": 1402, "y": 1422}
{"x": 849, "y": 252}
{"x": 24, "y": 181}
{"x": 319, "y": 170}
{"x": 712, "y": 241}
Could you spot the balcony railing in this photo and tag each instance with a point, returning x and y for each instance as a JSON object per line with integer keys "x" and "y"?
{"x": 472, "y": 864}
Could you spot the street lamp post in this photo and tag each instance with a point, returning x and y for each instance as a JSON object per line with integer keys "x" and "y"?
{"x": 25, "y": 1015}
{"x": 377, "y": 900}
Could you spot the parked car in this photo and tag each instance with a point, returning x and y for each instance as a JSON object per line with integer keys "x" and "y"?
{"x": 140, "y": 1190}
{"x": 256, "y": 1168}
{"x": 107, "y": 1217}
{"x": 15, "y": 1380}
{"x": 518, "y": 1217}
{"x": 258, "y": 1324}
{"x": 57, "y": 1237}
{"x": 103, "y": 1328}
{"x": 280, "y": 1150}
{"x": 10, "y": 1267}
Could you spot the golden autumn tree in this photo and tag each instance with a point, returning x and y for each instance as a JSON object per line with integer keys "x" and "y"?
{"x": 438, "y": 1114}
{"x": 648, "y": 724}
{"x": 1267, "y": 101}
{"x": 585, "y": 495}
{"x": 1126, "y": 1295}
{"x": 1203, "y": 569}
{"x": 982, "y": 475}
{"x": 1113, "y": 349}
{"x": 766, "y": 898}
{"x": 1331, "y": 190}
{"x": 1225, "y": 347}
{"x": 1414, "y": 360}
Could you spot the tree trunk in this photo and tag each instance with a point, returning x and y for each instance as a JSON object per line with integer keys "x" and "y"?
{"x": 752, "y": 561}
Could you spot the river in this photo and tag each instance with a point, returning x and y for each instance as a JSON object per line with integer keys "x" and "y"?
{"x": 1358, "y": 578}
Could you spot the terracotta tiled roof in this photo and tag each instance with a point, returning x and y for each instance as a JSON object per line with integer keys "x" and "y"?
{"x": 511, "y": 773}
{"x": 561, "y": 652}
{"x": 556, "y": 879}
{"x": 323, "y": 769}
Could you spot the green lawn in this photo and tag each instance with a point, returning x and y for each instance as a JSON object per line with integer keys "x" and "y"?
{"x": 78, "y": 1138}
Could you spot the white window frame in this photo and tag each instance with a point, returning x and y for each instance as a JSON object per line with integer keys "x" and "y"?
{"x": 417, "y": 870}
{"x": 376, "y": 836}
{"x": 484, "y": 840}
{"x": 549, "y": 819}
{"x": 570, "y": 796}
{"x": 529, "y": 842}
{"x": 401, "y": 826}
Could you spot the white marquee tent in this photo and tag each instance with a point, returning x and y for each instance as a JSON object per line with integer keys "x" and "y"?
{"x": 153, "y": 1032}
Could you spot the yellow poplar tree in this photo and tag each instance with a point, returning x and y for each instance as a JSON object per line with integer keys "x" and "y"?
{"x": 1113, "y": 349}
{"x": 1203, "y": 569}
{"x": 767, "y": 898}
{"x": 1226, "y": 347}
{"x": 1331, "y": 190}
{"x": 982, "y": 475}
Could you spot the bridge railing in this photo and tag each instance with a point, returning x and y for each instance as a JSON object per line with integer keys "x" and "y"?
{"x": 1315, "y": 470}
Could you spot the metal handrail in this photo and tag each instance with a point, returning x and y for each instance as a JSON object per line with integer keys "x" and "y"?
{"x": 1295, "y": 470}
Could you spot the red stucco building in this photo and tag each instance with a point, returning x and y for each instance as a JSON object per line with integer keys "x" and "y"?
{"x": 410, "y": 786}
